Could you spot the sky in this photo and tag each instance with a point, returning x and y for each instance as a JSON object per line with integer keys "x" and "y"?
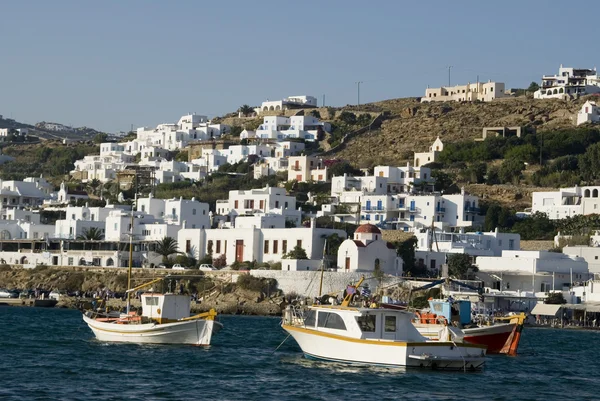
{"x": 114, "y": 64}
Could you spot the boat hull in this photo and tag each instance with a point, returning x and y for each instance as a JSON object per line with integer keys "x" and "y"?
{"x": 193, "y": 332}
{"x": 493, "y": 337}
{"x": 433, "y": 355}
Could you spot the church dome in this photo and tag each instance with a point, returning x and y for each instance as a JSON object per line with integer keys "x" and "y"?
{"x": 368, "y": 229}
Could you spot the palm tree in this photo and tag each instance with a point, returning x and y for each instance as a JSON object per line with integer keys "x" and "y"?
{"x": 91, "y": 234}
{"x": 245, "y": 110}
{"x": 94, "y": 185}
{"x": 165, "y": 247}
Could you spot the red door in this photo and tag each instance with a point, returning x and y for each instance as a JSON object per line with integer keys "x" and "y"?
{"x": 239, "y": 250}
{"x": 347, "y": 263}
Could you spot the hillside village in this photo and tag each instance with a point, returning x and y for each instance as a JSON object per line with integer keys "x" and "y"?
{"x": 464, "y": 173}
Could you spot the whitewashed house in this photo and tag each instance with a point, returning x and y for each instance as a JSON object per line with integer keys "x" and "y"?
{"x": 267, "y": 200}
{"x": 589, "y": 113}
{"x": 528, "y": 276}
{"x": 567, "y": 202}
{"x": 300, "y": 127}
{"x": 423, "y": 158}
{"x": 307, "y": 168}
{"x": 406, "y": 178}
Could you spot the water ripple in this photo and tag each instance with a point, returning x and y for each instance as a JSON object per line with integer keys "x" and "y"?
{"x": 49, "y": 354}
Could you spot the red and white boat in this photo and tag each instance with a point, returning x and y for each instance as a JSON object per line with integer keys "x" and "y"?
{"x": 453, "y": 318}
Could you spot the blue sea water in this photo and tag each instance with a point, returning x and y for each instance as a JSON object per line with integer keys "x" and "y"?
{"x": 50, "y": 354}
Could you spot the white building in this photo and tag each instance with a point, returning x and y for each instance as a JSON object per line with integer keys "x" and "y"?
{"x": 567, "y": 202}
{"x": 270, "y": 166}
{"x": 180, "y": 212}
{"x": 307, "y": 168}
{"x": 254, "y": 244}
{"x": 423, "y": 158}
{"x": 66, "y": 195}
{"x": 531, "y": 272}
{"x": 569, "y": 83}
{"x": 485, "y": 92}
{"x": 299, "y": 127}
{"x": 491, "y": 243}
{"x": 591, "y": 254}
{"x": 101, "y": 167}
{"x": 292, "y": 102}
{"x": 405, "y": 179}
{"x": 368, "y": 252}
{"x": 589, "y": 113}
{"x": 266, "y": 200}
{"x": 20, "y": 194}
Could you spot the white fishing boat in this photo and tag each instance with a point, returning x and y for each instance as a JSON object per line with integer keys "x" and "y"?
{"x": 375, "y": 336}
{"x": 165, "y": 319}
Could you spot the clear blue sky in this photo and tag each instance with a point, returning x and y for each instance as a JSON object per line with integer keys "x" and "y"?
{"x": 110, "y": 64}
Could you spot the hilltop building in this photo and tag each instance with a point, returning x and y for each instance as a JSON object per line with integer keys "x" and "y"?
{"x": 485, "y": 92}
{"x": 568, "y": 84}
{"x": 423, "y": 158}
{"x": 292, "y": 102}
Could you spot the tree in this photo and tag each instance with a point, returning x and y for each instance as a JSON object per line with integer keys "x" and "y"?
{"x": 459, "y": 265}
{"x": 347, "y": 117}
{"x": 333, "y": 244}
{"x": 91, "y": 234}
{"x": 589, "y": 162}
{"x": 315, "y": 113}
{"x": 510, "y": 171}
{"x": 341, "y": 168}
{"x": 165, "y": 247}
{"x": 533, "y": 87}
{"x": 555, "y": 298}
{"x": 297, "y": 253}
{"x": 406, "y": 250}
{"x": 94, "y": 185}
{"x": 101, "y": 137}
{"x": 246, "y": 110}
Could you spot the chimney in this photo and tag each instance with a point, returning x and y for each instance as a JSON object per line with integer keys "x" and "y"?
{"x": 184, "y": 223}
{"x": 313, "y": 222}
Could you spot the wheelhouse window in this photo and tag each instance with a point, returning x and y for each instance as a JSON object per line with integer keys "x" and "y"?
{"x": 310, "y": 318}
{"x": 390, "y": 324}
{"x": 366, "y": 323}
{"x": 331, "y": 321}
{"x": 152, "y": 301}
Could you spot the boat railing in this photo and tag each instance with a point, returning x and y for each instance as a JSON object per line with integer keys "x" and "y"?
{"x": 294, "y": 315}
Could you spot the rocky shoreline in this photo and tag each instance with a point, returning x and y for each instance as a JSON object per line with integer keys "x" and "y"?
{"x": 221, "y": 292}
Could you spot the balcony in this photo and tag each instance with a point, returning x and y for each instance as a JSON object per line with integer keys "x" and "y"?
{"x": 373, "y": 209}
{"x": 472, "y": 210}
{"x": 296, "y": 168}
{"x": 171, "y": 216}
{"x": 440, "y": 210}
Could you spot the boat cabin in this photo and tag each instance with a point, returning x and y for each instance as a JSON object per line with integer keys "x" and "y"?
{"x": 165, "y": 307}
{"x": 362, "y": 323}
{"x": 453, "y": 311}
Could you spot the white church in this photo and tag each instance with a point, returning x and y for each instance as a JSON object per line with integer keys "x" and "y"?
{"x": 368, "y": 252}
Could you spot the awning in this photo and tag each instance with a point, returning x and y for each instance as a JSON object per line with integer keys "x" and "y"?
{"x": 545, "y": 309}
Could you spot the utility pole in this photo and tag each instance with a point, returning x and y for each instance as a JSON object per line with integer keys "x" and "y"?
{"x": 358, "y": 91}
{"x": 323, "y": 105}
{"x": 449, "y": 68}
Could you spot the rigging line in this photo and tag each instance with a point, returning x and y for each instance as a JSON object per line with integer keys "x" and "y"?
{"x": 279, "y": 346}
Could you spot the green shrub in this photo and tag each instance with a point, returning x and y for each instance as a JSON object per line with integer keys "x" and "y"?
{"x": 258, "y": 284}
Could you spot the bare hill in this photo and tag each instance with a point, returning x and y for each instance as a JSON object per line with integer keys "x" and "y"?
{"x": 412, "y": 126}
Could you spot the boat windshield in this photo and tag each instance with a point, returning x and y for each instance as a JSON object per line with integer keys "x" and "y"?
{"x": 310, "y": 318}
{"x": 366, "y": 323}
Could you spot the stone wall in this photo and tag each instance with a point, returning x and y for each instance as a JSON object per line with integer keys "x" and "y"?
{"x": 307, "y": 283}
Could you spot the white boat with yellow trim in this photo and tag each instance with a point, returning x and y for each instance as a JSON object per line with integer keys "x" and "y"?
{"x": 375, "y": 336}
{"x": 165, "y": 319}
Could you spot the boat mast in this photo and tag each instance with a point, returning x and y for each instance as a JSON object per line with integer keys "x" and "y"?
{"x": 322, "y": 268}
{"x": 130, "y": 255}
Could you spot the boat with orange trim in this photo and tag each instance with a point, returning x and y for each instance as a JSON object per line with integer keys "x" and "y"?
{"x": 374, "y": 336}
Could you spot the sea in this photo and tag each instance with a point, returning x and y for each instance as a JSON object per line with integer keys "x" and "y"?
{"x": 50, "y": 354}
